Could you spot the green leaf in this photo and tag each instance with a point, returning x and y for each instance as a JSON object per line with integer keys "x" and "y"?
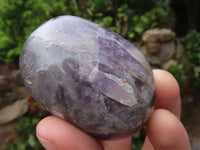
{"x": 178, "y": 72}
{"x": 21, "y": 145}
{"x": 145, "y": 20}
{"x": 139, "y": 29}
{"x": 136, "y": 135}
{"x": 31, "y": 140}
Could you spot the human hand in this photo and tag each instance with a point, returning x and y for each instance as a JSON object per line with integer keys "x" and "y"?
{"x": 164, "y": 129}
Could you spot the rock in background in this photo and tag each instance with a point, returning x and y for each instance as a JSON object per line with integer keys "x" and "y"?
{"x": 13, "y": 111}
{"x": 161, "y": 48}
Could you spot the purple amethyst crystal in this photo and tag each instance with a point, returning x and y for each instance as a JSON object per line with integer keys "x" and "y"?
{"x": 89, "y": 76}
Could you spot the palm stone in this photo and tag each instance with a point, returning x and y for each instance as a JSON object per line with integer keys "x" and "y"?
{"x": 89, "y": 76}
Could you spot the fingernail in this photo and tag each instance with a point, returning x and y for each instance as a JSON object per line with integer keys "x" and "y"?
{"x": 48, "y": 145}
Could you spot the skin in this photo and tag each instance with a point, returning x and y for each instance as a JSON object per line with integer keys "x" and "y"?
{"x": 164, "y": 128}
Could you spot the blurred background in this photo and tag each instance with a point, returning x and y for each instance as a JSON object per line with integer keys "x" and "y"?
{"x": 166, "y": 31}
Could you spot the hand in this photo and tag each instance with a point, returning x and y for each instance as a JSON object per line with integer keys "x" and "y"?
{"x": 164, "y": 129}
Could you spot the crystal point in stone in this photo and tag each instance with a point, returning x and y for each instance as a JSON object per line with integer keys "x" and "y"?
{"x": 89, "y": 76}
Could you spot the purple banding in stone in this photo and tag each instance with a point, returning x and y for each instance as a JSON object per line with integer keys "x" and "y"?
{"x": 88, "y": 76}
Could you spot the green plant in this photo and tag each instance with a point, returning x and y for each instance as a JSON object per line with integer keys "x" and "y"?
{"x": 161, "y": 4}
{"x": 128, "y": 18}
{"x": 19, "y": 18}
{"x": 178, "y": 72}
{"x": 99, "y": 6}
{"x": 155, "y": 18}
{"x": 27, "y": 133}
{"x": 123, "y": 20}
{"x": 99, "y": 12}
{"x": 138, "y": 139}
{"x": 191, "y": 43}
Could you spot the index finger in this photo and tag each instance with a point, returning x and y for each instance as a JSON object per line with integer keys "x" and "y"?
{"x": 167, "y": 96}
{"x": 167, "y": 92}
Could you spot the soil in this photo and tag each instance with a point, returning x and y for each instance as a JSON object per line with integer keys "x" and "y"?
{"x": 191, "y": 120}
{"x": 8, "y": 134}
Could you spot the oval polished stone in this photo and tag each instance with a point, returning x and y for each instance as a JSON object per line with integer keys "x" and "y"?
{"x": 89, "y": 76}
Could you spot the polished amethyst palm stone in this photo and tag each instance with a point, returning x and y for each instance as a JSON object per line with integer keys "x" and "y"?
{"x": 89, "y": 76}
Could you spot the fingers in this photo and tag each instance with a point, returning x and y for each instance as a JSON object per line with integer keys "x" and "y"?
{"x": 57, "y": 134}
{"x": 122, "y": 144}
{"x": 167, "y": 97}
{"x": 166, "y": 132}
{"x": 167, "y": 92}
